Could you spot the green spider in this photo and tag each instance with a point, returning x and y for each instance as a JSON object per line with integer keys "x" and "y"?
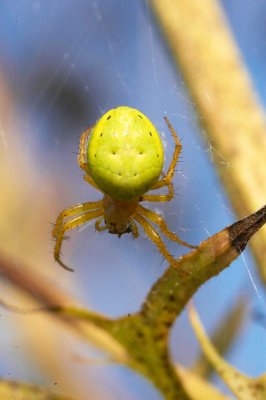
{"x": 122, "y": 156}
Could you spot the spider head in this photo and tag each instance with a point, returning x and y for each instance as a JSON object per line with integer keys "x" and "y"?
{"x": 119, "y": 229}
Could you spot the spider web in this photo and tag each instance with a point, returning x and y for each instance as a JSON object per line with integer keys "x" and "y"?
{"x": 68, "y": 63}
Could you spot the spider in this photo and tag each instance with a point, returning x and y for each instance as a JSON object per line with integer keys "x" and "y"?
{"x": 122, "y": 157}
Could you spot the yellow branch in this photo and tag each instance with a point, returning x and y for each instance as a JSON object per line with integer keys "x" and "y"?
{"x": 203, "y": 46}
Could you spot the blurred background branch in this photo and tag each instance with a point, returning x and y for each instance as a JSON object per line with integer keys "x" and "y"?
{"x": 204, "y": 49}
{"x": 11, "y": 390}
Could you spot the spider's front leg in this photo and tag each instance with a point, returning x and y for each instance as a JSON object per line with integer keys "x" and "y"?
{"x": 74, "y": 211}
{"x": 143, "y": 216}
{"x": 155, "y": 238}
{"x": 74, "y": 219}
{"x": 158, "y": 220}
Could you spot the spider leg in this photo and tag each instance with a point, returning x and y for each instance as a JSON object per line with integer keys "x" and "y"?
{"x": 89, "y": 180}
{"x": 160, "y": 197}
{"x": 158, "y": 220}
{"x": 98, "y": 223}
{"x": 82, "y": 157}
{"x": 74, "y": 211}
{"x": 154, "y": 236}
{"x": 171, "y": 170}
{"x": 134, "y": 228}
{"x": 167, "y": 179}
{"x": 70, "y": 224}
{"x": 178, "y": 147}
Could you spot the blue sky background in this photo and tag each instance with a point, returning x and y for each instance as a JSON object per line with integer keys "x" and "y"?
{"x": 67, "y": 62}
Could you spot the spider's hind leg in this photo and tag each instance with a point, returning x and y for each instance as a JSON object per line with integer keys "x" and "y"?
{"x": 178, "y": 147}
{"x": 160, "y": 197}
{"x": 167, "y": 179}
{"x": 82, "y": 157}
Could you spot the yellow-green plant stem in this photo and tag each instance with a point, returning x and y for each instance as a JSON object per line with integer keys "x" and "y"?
{"x": 244, "y": 387}
{"x": 224, "y": 335}
{"x": 144, "y": 335}
{"x": 204, "y": 48}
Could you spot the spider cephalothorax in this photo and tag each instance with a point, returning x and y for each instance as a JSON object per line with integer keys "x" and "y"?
{"x": 122, "y": 156}
{"x": 117, "y": 214}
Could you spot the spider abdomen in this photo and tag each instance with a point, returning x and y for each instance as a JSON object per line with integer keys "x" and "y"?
{"x": 125, "y": 153}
